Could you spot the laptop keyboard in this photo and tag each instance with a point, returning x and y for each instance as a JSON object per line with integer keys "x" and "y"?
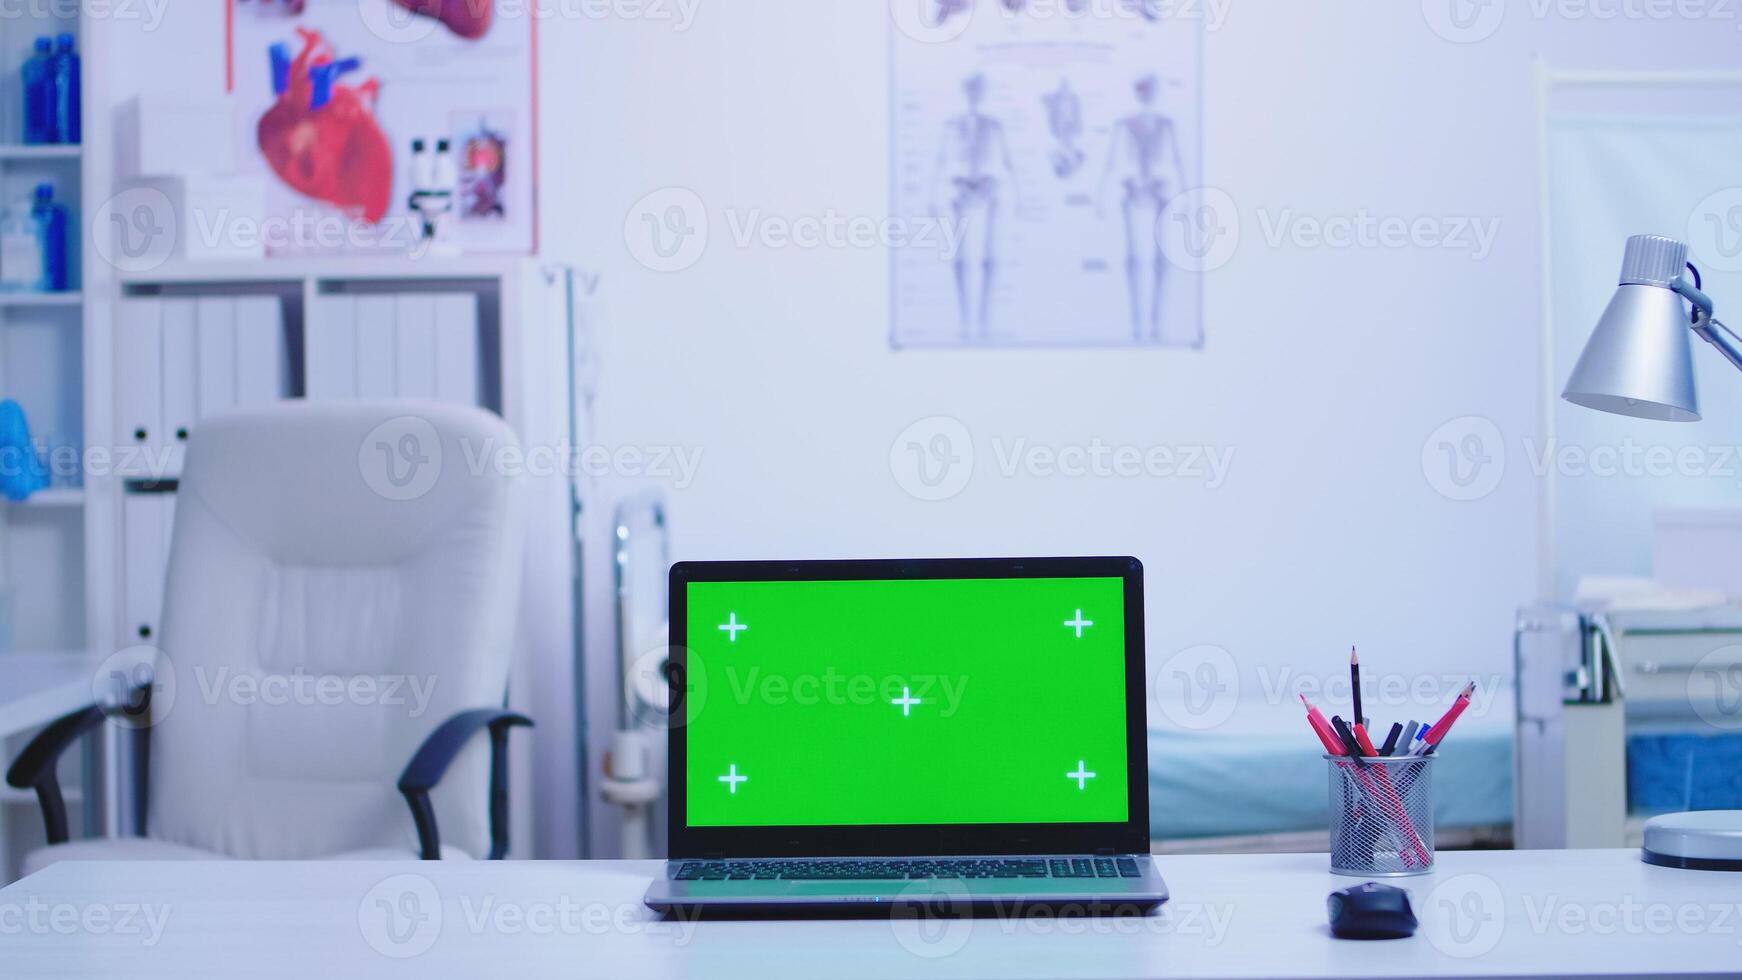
{"x": 907, "y": 869}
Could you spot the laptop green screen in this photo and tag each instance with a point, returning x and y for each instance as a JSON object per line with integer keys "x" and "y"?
{"x": 920, "y": 701}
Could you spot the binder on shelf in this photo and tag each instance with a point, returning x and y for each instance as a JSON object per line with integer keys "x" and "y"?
{"x": 147, "y": 521}
{"x": 415, "y": 327}
{"x": 332, "y": 347}
{"x": 456, "y": 337}
{"x": 377, "y": 357}
{"x": 217, "y": 362}
{"x": 179, "y": 387}
{"x": 262, "y": 367}
{"x": 139, "y": 381}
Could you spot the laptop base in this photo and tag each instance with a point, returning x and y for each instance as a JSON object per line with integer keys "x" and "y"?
{"x": 794, "y": 888}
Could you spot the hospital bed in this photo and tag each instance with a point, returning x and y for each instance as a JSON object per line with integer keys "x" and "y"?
{"x": 1625, "y": 713}
{"x": 1258, "y": 781}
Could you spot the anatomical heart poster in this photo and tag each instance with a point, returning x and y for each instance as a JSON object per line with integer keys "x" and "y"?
{"x": 1052, "y": 151}
{"x": 388, "y": 126}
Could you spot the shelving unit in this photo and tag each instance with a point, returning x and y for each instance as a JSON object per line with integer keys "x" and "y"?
{"x": 68, "y": 299}
{"x": 45, "y": 542}
{"x": 63, "y": 553}
{"x": 40, "y": 151}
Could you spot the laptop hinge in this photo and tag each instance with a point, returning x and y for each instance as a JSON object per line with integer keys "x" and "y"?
{"x": 1106, "y": 850}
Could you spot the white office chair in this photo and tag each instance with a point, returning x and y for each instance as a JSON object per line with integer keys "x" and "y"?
{"x": 337, "y": 627}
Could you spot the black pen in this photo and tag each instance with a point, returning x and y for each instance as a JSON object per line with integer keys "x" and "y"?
{"x": 1349, "y": 743}
{"x": 1391, "y": 739}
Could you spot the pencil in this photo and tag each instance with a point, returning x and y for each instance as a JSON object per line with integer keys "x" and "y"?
{"x": 1355, "y": 683}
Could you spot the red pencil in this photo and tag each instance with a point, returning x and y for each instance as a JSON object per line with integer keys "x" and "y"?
{"x": 1322, "y": 728}
{"x": 1362, "y": 740}
{"x": 1437, "y": 733}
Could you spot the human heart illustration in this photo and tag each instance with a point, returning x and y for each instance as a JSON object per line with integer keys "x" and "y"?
{"x": 321, "y": 138}
{"x": 469, "y": 19}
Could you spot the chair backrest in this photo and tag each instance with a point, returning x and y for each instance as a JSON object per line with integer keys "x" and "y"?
{"x": 343, "y": 577}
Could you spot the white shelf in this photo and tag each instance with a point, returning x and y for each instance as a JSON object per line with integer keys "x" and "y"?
{"x": 53, "y": 497}
{"x": 73, "y": 298}
{"x": 346, "y": 268}
{"x": 40, "y": 151}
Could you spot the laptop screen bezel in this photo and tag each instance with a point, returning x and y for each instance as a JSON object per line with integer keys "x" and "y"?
{"x": 920, "y": 840}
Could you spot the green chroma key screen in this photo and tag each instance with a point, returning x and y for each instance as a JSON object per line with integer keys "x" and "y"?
{"x": 921, "y": 701}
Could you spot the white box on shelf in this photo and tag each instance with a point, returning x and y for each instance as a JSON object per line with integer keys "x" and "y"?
{"x": 165, "y": 136}
{"x": 214, "y": 218}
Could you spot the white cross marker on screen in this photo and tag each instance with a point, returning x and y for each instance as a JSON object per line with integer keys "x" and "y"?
{"x": 1077, "y": 624}
{"x": 732, "y": 779}
{"x": 907, "y": 701}
{"x": 1082, "y": 775}
{"x": 732, "y": 627}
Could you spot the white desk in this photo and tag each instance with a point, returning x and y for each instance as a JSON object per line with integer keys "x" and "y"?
{"x": 1484, "y": 914}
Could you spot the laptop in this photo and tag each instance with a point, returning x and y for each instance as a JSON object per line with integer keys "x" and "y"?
{"x": 968, "y": 733}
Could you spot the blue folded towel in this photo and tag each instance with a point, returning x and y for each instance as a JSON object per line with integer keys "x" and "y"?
{"x": 21, "y": 469}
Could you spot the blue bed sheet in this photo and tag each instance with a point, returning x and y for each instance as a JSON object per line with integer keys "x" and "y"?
{"x": 1227, "y": 785}
{"x": 1674, "y": 771}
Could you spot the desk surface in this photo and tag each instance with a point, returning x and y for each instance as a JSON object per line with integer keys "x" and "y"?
{"x": 37, "y": 688}
{"x": 1484, "y": 914}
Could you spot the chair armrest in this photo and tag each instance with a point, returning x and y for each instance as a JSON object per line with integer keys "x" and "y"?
{"x": 431, "y": 763}
{"x": 35, "y": 766}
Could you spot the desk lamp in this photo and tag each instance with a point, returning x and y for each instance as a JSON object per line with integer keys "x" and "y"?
{"x": 1639, "y": 363}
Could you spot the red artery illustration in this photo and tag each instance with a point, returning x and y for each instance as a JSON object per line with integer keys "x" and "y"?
{"x": 322, "y": 138}
{"x": 469, "y": 19}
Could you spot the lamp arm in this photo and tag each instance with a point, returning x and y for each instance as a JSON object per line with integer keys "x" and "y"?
{"x": 1723, "y": 338}
{"x": 1708, "y": 327}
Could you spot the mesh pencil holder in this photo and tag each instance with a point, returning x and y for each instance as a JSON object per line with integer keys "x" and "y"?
{"x": 1382, "y": 816}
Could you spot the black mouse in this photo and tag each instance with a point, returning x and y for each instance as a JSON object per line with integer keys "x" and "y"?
{"x": 1371, "y": 911}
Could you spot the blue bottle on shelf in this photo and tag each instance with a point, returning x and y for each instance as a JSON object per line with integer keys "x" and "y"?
{"x": 39, "y": 94}
{"x": 51, "y": 232}
{"x": 64, "y": 75}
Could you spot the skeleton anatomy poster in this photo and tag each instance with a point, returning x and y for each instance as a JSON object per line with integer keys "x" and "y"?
{"x": 387, "y": 126}
{"x": 1053, "y": 143}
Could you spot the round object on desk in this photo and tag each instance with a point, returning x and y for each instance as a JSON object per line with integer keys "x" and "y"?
{"x": 1703, "y": 840}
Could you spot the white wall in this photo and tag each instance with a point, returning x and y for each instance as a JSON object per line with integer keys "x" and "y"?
{"x": 1326, "y": 370}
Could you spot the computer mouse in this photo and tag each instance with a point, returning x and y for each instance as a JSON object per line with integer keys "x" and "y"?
{"x": 1371, "y": 911}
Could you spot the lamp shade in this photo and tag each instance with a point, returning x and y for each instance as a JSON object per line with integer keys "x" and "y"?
{"x": 1639, "y": 361}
